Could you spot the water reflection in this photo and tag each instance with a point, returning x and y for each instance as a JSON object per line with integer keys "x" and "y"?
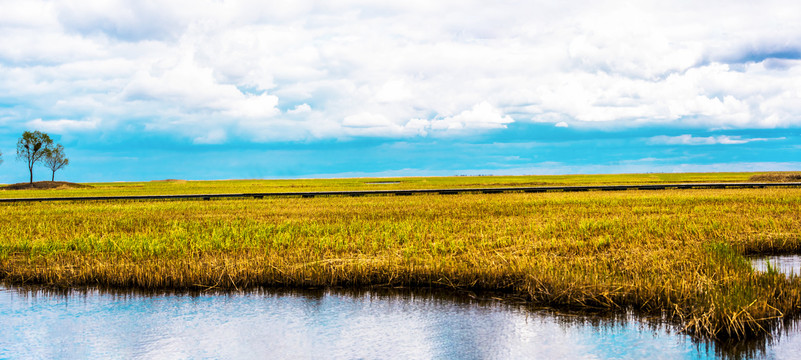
{"x": 785, "y": 264}
{"x": 89, "y": 323}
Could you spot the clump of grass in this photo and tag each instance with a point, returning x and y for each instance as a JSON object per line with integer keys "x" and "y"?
{"x": 678, "y": 253}
{"x": 776, "y": 177}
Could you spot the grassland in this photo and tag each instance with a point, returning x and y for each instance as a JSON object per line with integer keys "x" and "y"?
{"x": 676, "y": 252}
{"x": 175, "y": 187}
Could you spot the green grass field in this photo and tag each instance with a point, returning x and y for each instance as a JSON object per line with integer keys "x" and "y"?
{"x": 674, "y": 252}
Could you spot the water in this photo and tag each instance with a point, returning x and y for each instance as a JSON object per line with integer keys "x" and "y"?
{"x": 785, "y": 264}
{"x": 37, "y": 323}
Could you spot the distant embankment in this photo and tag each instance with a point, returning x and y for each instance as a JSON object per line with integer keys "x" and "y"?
{"x": 451, "y": 191}
{"x": 44, "y": 185}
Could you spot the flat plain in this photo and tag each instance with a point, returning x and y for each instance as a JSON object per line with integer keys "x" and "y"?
{"x": 680, "y": 254}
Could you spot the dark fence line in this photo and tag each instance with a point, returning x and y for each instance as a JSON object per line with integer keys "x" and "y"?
{"x": 538, "y": 189}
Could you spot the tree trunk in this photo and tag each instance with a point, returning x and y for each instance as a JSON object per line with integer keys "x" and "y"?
{"x": 31, "y": 170}
{"x": 54, "y": 176}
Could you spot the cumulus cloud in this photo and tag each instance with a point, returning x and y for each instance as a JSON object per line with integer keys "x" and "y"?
{"x": 300, "y": 109}
{"x": 481, "y": 116}
{"x": 214, "y": 71}
{"x": 62, "y": 126}
{"x": 124, "y": 19}
{"x": 709, "y": 140}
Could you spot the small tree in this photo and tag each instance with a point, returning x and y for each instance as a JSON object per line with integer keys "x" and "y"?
{"x": 54, "y": 159}
{"x": 32, "y": 147}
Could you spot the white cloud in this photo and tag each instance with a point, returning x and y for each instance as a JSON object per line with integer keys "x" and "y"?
{"x": 481, "y": 116}
{"x": 562, "y": 124}
{"x": 399, "y": 69}
{"x": 709, "y": 140}
{"x": 215, "y": 136}
{"x": 252, "y": 107}
{"x": 300, "y": 109}
{"x": 62, "y": 126}
{"x": 129, "y": 20}
{"x": 366, "y": 120}
{"x": 27, "y": 14}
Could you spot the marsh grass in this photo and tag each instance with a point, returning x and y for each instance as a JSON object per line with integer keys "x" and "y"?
{"x": 776, "y": 177}
{"x": 175, "y": 187}
{"x": 676, "y": 253}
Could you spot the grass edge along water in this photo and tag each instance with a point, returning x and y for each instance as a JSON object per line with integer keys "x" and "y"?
{"x": 675, "y": 252}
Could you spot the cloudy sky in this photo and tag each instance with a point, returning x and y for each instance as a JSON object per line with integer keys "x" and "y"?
{"x": 141, "y": 90}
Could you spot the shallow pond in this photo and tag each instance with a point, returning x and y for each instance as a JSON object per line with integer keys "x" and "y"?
{"x": 39, "y": 323}
{"x": 785, "y": 264}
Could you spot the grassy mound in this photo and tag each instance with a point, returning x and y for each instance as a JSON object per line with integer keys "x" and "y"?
{"x": 176, "y": 181}
{"x": 44, "y": 185}
{"x": 777, "y": 177}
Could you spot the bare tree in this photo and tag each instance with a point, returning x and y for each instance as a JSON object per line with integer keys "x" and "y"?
{"x": 54, "y": 159}
{"x": 32, "y": 147}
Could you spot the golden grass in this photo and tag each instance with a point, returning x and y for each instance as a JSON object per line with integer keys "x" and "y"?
{"x": 671, "y": 252}
{"x": 171, "y": 186}
{"x": 776, "y": 177}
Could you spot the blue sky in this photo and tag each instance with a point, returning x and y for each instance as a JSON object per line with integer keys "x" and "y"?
{"x": 142, "y": 90}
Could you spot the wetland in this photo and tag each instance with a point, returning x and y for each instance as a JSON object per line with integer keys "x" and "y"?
{"x": 684, "y": 256}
